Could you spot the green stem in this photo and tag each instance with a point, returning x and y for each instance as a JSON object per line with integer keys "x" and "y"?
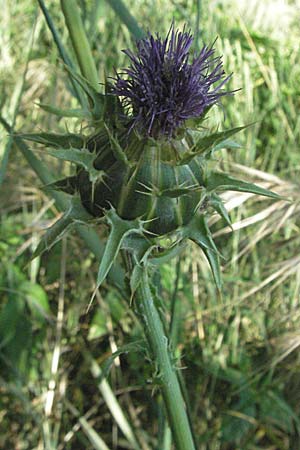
{"x": 175, "y": 309}
{"x": 80, "y": 42}
{"x": 159, "y": 345}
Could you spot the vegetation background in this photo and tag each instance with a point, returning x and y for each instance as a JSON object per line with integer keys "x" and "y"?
{"x": 240, "y": 354}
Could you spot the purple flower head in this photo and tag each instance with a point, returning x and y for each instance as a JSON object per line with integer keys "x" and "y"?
{"x": 165, "y": 85}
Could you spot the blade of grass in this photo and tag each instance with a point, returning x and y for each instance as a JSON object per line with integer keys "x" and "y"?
{"x": 112, "y": 403}
{"x": 197, "y": 25}
{"x": 19, "y": 89}
{"x": 94, "y": 438}
{"x": 63, "y": 53}
{"x": 126, "y": 17}
{"x": 80, "y": 42}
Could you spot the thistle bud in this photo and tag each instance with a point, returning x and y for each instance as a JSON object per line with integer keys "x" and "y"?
{"x": 144, "y": 168}
{"x": 164, "y": 88}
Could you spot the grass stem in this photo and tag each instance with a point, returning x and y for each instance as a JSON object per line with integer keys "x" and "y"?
{"x": 80, "y": 42}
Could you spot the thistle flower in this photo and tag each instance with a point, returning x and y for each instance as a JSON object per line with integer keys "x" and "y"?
{"x": 165, "y": 85}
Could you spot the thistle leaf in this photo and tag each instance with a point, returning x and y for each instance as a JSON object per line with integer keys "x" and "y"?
{"x": 209, "y": 142}
{"x": 76, "y": 213}
{"x": 138, "y": 245}
{"x": 135, "y": 346}
{"x": 67, "y": 185}
{"x": 167, "y": 253}
{"x": 214, "y": 263}
{"x": 83, "y": 158}
{"x": 119, "y": 230}
{"x": 228, "y": 143}
{"x": 217, "y": 203}
{"x": 178, "y": 192}
{"x": 224, "y": 182}
{"x": 197, "y": 230}
{"x": 116, "y": 148}
{"x": 80, "y": 113}
{"x": 96, "y": 99}
{"x": 113, "y": 107}
{"x": 53, "y": 234}
{"x": 67, "y": 140}
{"x": 214, "y": 139}
{"x": 135, "y": 279}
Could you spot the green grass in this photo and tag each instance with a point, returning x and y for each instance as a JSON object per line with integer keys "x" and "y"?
{"x": 240, "y": 353}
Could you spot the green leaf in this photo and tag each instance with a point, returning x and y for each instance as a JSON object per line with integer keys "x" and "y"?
{"x": 119, "y": 230}
{"x": 197, "y": 230}
{"x": 217, "y": 203}
{"x": 66, "y": 141}
{"x": 15, "y": 101}
{"x": 234, "y": 428}
{"x": 179, "y": 191}
{"x": 136, "y": 346}
{"x": 98, "y": 326}
{"x": 62, "y": 51}
{"x": 164, "y": 255}
{"x": 224, "y": 182}
{"x": 76, "y": 213}
{"x": 116, "y": 148}
{"x": 37, "y": 299}
{"x": 67, "y": 185}
{"x": 96, "y": 99}
{"x": 83, "y": 158}
{"x": 53, "y": 234}
{"x": 126, "y": 17}
{"x": 9, "y": 318}
{"x": 135, "y": 279}
{"x": 80, "y": 113}
{"x": 275, "y": 409}
{"x": 228, "y": 143}
{"x": 209, "y": 142}
{"x": 89, "y": 235}
{"x": 215, "y": 139}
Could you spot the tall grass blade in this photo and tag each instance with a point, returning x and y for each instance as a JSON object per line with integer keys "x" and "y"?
{"x": 20, "y": 88}
{"x": 80, "y": 42}
{"x": 94, "y": 438}
{"x": 126, "y": 17}
{"x": 112, "y": 403}
{"x": 63, "y": 53}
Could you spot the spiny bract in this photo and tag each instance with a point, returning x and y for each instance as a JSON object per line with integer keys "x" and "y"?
{"x": 144, "y": 168}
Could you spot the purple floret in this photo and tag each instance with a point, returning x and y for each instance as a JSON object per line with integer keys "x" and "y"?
{"x": 165, "y": 86}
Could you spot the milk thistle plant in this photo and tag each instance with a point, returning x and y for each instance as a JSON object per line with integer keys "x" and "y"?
{"x": 144, "y": 169}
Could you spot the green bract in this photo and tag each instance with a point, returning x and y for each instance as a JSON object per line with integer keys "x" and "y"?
{"x": 143, "y": 188}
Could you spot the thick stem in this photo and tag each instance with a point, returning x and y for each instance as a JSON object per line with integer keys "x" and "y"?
{"x": 159, "y": 345}
{"x": 80, "y": 42}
